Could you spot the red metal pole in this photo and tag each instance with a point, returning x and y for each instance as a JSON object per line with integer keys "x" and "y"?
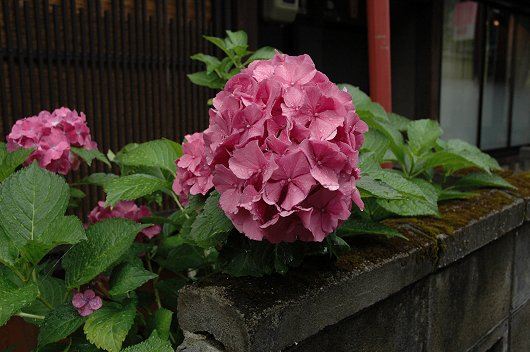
{"x": 378, "y": 15}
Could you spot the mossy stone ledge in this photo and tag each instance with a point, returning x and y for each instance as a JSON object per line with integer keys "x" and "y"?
{"x": 455, "y": 284}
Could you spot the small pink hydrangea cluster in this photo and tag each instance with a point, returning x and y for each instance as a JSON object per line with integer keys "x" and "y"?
{"x": 194, "y": 174}
{"x": 282, "y": 147}
{"x": 127, "y": 210}
{"x": 86, "y": 302}
{"x": 52, "y": 135}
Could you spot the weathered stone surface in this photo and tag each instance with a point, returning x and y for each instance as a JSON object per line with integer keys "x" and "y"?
{"x": 399, "y": 323}
{"x": 481, "y": 231}
{"x": 521, "y": 270}
{"x": 497, "y": 340}
{"x": 520, "y": 329}
{"x": 258, "y": 314}
{"x": 199, "y": 343}
{"x": 471, "y": 297}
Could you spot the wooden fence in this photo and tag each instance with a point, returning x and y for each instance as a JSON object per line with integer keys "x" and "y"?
{"x": 122, "y": 62}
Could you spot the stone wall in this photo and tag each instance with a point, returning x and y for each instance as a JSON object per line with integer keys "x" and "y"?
{"x": 460, "y": 283}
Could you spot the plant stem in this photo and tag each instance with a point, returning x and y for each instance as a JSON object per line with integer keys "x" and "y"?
{"x": 175, "y": 198}
{"x": 45, "y": 302}
{"x": 155, "y": 281}
{"x": 20, "y": 276}
{"x": 31, "y": 316}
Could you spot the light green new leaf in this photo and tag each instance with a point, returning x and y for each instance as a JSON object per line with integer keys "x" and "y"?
{"x": 98, "y": 178}
{"x": 153, "y": 343}
{"x": 29, "y": 201}
{"x": 59, "y": 323}
{"x": 107, "y": 327}
{"x": 398, "y": 182}
{"x": 106, "y": 242}
{"x": 210, "y": 80}
{"x": 377, "y": 143}
{"x": 264, "y": 53}
{"x": 409, "y": 207}
{"x": 399, "y": 122}
{"x": 160, "y": 153}
{"x": 480, "y": 179}
{"x": 422, "y": 135}
{"x": 212, "y": 225}
{"x": 358, "y": 227}
{"x": 219, "y": 42}
{"x": 430, "y": 191}
{"x": 89, "y": 155}
{"x": 13, "y": 298}
{"x": 211, "y": 62}
{"x": 360, "y": 99}
{"x": 63, "y": 230}
{"x": 127, "y": 277}
{"x": 238, "y": 38}
{"x": 133, "y": 187}
{"x": 10, "y": 161}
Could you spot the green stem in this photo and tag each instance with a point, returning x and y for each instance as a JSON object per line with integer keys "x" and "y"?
{"x": 176, "y": 199}
{"x": 31, "y": 316}
{"x": 155, "y": 281}
{"x": 19, "y": 274}
{"x": 45, "y": 302}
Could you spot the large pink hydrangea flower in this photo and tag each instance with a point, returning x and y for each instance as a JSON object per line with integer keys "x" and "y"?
{"x": 52, "y": 135}
{"x": 282, "y": 147}
{"x": 127, "y": 210}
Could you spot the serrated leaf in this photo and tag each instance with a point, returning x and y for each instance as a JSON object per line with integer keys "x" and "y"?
{"x": 210, "y": 80}
{"x": 376, "y": 142}
{"x": 59, "y": 323}
{"x": 398, "y": 182}
{"x": 62, "y": 230}
{"x": 8, "y": 251}
{"x": 29, "y": 201}
{"x": 422, "y": 135}
{"x": 238, "y": 38}
{"x": 409, "y": 207}
{"x": 160, "y": 153}
{"x": 264, "y": 53}
{"x": 106, "y": 242}
{"x": 76, "y": 193}
{"x": 219, "y": 42}
{"x": 360, "y": 99}
{"x": 107, "y": 327}
{"x": 335, "y": 245}
{"x": 98, "y": 178}
{"x": 480, "y": 179}
{"x": 429, "y": 190}
{"x": 354, "y": 227}
{"x": 51, "y": 290}
{"x": 211, "y": 62}
{"x": 126, "y": 277}
{"x": 212, "y": 225}
{"x": 183, "y": 257}
{"x": 372, "y": 187}
{"x": 13, "y": 298}
{"x": 399, "y": 122}
{"x": 89, "y": 155}
{"x": 448, "y": 194}
{"x": 10, "y": 161}
{"x": 153, "y": 343}
{"x": 160, "y": 322}
{"x": 133, "y": 187}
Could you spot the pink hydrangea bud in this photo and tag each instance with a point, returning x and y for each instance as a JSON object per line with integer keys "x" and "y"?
{"x": 52, "y": 135}
{"x": 281, "y": 149}
{"x": 127, "y": 210}
{"x": 86, "y": 302}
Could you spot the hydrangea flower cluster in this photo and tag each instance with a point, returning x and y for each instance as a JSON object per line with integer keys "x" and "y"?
{"x": 127, "y": 210}
{"x": 86, "y": 302}
{"x": 52, "y": 134}
{"x": 194, "y": 175}
{"x": 282, "y": 147}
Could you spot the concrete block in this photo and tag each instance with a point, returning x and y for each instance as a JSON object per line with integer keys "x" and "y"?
{"x": 520, "y": 329}
{"x": 399, "y": 323}
{"x": 471, "y": 297}
{"x": 481, "y": 231}
{"x": 521, "y": 270}
{"x": 496, "y": 340}
{"x": 199, "y": 343}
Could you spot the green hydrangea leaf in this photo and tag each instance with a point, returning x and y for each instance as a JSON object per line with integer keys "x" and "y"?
{"x": 30, "y": 200}
{"x": 244, "y": 257}
{"x": 409, "y": 207}
{"x": 422, "y": 135}
{"x": 160, "y": 322}
{"x": 14, "y": 298}
{"x": 160, "y": 153}
{"x": 353, "y": 227}
{"x": 480, "y": 179}
{"x": 133, "y": 187}
{"x": 63, "y": 230}
{"x": 10, "y": 161}
{"x": 107, "y": 241}
{"x": 59, "y": 324}
{"x": 53, "y": 291}
{"x": 264, "y": 53}
{"x": 210, "y": 80}
{"x": 89, "y": 155}
{"x": 376, "y": 142}
{"x": 98, "y": 178}
{"x": 183, "y": 257}
{"x": 127, "y": 277}
{"x": 212, "y": 225}
{"x": 448, "y": 194}
{"x": 153, "y": 343}
{"x": 8, "y": 251}
{"x": 107, "y": 327}
{"x": 399, "y": 122}
{"x": 211, "y": 62}
{"x": 369, "y": 186}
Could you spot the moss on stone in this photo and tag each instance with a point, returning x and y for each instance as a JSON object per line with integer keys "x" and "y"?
{"x": 522, "y": 182}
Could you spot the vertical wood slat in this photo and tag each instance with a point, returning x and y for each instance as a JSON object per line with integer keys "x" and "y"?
{"x": 122, "y": 63}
